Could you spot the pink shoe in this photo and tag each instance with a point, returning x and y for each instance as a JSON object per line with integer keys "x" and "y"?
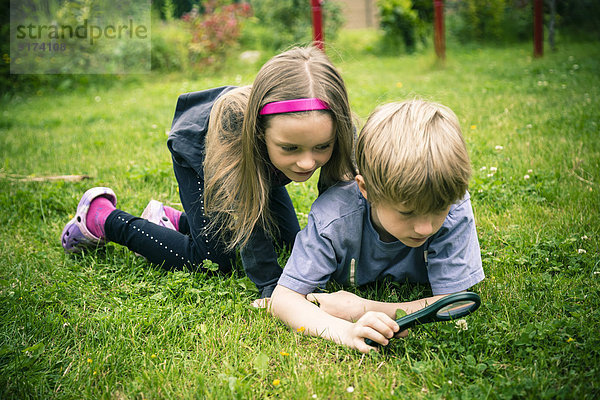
{"x": 155, "y": 213}
{"x": 76, "y": 236}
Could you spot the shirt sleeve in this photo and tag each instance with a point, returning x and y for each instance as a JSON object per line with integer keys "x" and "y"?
{"x": 260, "y": 262}
{"x": 453, "y": 257}
{"x": 312, "y": 262}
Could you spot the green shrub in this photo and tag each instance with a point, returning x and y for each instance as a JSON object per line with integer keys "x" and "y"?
{"x": 215, "y": 30}
{"x": 169, "y": 45}
{"x": 400, "y": 24}
{"x": 278, "y": 24}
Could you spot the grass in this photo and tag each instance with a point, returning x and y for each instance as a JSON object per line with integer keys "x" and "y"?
{"x": 109, "y": 325}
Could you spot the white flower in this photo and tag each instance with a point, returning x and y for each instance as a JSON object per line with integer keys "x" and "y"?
{"x": 584, "y": 237}
{"x": 350, "y": 389}
{"x": 581, "y": 251}
{"x": 450, "y": 382}
{"x": 529, "y": 171}
{"x": 490, "y": 175}
{"x": 461, "y": 325}
{"x": 493, "y": 169}
{"x": 499, "y": 147}
{"x": 482, "y": 168}
{"x": 526, "y": 177}
{"x": 314, "y": 396}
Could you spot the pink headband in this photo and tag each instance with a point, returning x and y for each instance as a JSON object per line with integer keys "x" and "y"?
{"x": 286, "y": 106}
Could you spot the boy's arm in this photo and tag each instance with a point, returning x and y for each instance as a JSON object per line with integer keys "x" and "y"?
{"x": 350, "y": 307}
{"x": 300, "y": 314}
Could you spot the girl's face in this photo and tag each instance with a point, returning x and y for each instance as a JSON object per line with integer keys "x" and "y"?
{"x": 299, "y": 144}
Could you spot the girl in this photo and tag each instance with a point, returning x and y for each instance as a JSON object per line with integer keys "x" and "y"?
{"x": 233, "y": 151}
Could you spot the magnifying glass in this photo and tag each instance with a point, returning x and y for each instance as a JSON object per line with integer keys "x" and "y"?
{"x": 445, "y": 309}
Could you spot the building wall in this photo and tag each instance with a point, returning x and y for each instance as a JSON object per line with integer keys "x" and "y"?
{"x": 359, "y": 13}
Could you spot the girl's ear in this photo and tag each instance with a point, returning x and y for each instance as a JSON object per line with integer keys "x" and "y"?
{"x": 361, "y": 185}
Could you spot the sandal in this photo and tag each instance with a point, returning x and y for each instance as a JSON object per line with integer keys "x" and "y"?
{"x": 155, "y": 213}
{"x": 76, "y": 236}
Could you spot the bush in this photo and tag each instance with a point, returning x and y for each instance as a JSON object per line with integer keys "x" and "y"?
{"x": 215, "y": 31}
{"x": 400, "y": 24}
{"x": 278, "y": 24}
{"x": 170, "y": 45}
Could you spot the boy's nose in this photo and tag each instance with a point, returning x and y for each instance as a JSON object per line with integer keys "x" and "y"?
{"x": 423, "y": 227}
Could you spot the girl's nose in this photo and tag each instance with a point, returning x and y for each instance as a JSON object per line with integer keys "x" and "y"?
{"x": 306, "y": 162}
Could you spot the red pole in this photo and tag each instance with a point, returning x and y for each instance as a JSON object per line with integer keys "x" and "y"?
{"x": 538, "y": 28}
{"x": 439, "y": 34}
{"x": 317, "y": 19}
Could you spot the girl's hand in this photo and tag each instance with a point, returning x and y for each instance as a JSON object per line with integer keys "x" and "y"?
{"x": 342, "y": 304}
{"x": 373, "y": 325}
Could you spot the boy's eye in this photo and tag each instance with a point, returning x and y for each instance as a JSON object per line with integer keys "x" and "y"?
{"x": 289, "y": 148}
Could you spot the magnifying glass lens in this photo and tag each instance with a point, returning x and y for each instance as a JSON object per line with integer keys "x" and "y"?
{"x": 457, "y": 309}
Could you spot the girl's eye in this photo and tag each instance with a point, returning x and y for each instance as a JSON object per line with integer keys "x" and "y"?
{"x": 323, "y": 147}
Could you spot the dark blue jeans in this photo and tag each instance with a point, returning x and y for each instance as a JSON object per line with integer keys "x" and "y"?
{"x": 193, "y": 243}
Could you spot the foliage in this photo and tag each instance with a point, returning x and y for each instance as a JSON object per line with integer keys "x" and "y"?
{"x": 170, "y": 42}
{"x": 216, "y": 30}
{"x": 400, "y": 24}
{"x": 481, "y": 19}
{"x": 505, "y": 21}
{"x": 279, "y": 24}
{"x": 579, "y": 16}
{"x": 172, "y": 9}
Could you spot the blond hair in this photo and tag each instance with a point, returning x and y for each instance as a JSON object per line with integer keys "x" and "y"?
{"x": 237, "y": 166}
{"x": 413, "y": 153}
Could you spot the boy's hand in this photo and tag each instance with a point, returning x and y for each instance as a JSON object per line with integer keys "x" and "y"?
{"x": 373, "y": 325}
{"x": 341, "y": 304}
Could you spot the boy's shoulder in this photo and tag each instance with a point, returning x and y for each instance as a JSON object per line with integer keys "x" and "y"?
{"x": 339, "y": 201}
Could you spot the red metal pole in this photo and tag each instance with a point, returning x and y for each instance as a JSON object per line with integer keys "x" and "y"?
{"x": 439, "y": 33}
{"x": 538, "y": 28}
{"x": 317, "y": 19}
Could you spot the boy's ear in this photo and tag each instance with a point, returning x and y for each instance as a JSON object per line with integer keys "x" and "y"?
{"x": 361, "y": 185}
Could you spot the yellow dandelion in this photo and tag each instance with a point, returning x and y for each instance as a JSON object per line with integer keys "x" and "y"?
{"x": 89, "y": 360}
{"x": 473, "y": 127}
{"x": 301, "y": 329}
{"x": 153, "y": 356}
{"x": 399, "y": 85}
{"x": 569, "y": 340}
{"x": 95, "y": 372}
{"x": 283, "y": 353}
{"x": 276, "y": 382}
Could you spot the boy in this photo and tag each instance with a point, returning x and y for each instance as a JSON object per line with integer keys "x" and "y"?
{"x": 407, "y": 216}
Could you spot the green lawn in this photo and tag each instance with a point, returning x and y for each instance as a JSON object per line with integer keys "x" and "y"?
{"x": 109, "y": 325}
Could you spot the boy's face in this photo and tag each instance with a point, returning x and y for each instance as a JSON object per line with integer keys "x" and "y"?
{"x": 396, "y": 222}
{"x": 298, "y": 145}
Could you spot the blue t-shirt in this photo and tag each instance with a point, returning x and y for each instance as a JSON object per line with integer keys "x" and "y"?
{"x": 340, "y": 230}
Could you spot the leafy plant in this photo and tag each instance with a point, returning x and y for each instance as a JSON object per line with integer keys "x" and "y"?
{"x": 215, "y": 30}
{"x": 400, "y": 24}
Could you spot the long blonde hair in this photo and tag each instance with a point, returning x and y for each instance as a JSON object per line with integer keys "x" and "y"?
{"x": 413, "y": 153}
{"x": 236, "y": 169}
